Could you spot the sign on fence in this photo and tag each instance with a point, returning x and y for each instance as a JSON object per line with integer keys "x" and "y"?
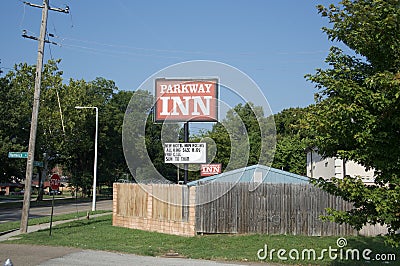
{"x": 210, "y": 169}
{"x": 185, "y": 152}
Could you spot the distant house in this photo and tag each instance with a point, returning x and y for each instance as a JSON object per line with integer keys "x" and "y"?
{"x": 253, "y": 174}
{"x": 318, "y": 166}
{"x": 10, "y": 188}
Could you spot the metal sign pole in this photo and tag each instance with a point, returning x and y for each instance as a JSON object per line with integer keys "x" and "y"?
{"x": 52, "y": 210}
{"x": 186, "y": 139}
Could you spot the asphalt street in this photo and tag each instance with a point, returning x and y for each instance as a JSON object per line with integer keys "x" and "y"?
{"x": 14, "y": 214}
{"x": 27, "y": 255}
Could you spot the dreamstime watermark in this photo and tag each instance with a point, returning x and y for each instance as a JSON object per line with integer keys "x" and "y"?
{"x": 338, "y": 252}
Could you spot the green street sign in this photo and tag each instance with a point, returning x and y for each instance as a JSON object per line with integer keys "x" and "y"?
{"x": 17, "y": 155}
{"x": 36, "y": 163}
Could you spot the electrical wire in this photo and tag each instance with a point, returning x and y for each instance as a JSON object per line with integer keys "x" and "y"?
{"x": 23, "y": 16}
{"x": 58, "y": 97}
{"x": 114, "y": 52}
{"x": 139, "y": 48}
{"x": 70, "y": 15}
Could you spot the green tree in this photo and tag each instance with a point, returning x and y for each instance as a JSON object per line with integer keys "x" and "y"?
{"x": 356, "y": 115}
{"x": 292, "y": 141}
{"x": 134, "y": 137}
{"x": 244, "y": 137}
{"x": 113, "y": 165}
{"x": 78, "y": 149}
{"x": 64, "y": 133}
{"x": 16, "y": 101}
{"x": 155, "y": 149}
{"x": 142, "y": 140}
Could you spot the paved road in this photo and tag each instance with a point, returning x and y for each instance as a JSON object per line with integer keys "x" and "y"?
{"x": 41, "y": 255}
{"x": 8, "y": 215}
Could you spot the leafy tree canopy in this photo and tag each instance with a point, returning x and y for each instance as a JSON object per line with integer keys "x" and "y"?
{"x": 356, "y": 115}
{"x": 65, "y": 134}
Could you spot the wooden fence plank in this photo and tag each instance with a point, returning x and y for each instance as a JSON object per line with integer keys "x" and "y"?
{"x": 269, "y": 209}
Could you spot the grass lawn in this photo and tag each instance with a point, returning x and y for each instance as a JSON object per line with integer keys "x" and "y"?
{"x": 98, "y": 233}
{"x": 16, "y": 225}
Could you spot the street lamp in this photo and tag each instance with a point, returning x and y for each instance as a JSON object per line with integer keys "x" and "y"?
{"x": 95, "y": 153}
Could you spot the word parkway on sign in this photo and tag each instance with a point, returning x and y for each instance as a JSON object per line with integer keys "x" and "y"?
{"x": 186, "y": 88}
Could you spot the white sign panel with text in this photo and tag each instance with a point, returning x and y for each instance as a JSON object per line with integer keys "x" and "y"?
{"x": 185, "y": 152}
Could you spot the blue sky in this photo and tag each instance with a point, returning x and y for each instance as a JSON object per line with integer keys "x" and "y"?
{"x": 274, "y": 42}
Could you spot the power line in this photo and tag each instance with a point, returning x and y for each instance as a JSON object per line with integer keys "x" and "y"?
{"x": 116, "y": 49}
{"x": 116, "y": 52}
{"x": 23, "y": 16}
{"x": 58, "y": 96}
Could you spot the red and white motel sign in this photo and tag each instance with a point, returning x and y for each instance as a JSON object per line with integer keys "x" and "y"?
{"x": 210, "y": 169}
{"x": 183, "y": 100}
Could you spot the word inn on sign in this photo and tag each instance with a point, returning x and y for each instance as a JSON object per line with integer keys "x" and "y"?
{"x": 182, "y": 100}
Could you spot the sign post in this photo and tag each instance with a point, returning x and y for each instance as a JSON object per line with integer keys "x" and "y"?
{"x": 54, "y": 185}
{"x": 186, "y": 100}
{"x": 186, "y": 139}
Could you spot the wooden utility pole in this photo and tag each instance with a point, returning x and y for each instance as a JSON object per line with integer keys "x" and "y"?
{"x": 35, "y": 113}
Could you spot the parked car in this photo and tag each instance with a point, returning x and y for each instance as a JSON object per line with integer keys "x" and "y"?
{"x": 55, "y": 192}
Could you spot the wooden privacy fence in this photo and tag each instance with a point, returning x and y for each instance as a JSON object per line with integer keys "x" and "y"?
{"x": 162, "y": 208}
{"x": 269, "y": 209}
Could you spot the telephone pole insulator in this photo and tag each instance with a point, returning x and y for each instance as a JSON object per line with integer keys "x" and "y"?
{"x": 65, "y": 10}
{"x": 36, "y": 38}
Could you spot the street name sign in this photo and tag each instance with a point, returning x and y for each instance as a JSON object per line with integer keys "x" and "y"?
{"x": 17, "y": 155}
{"x": 37, "y": 163}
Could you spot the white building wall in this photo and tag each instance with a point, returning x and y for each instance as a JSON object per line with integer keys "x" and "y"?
{"x": 355, "y": 169}
{"x": 334, "y": 167}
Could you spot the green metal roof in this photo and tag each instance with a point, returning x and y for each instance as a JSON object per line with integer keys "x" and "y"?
{"x": 246, "y": 174}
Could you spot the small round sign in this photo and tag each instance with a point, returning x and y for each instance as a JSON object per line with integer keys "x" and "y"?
{"x": 55, "y": 182}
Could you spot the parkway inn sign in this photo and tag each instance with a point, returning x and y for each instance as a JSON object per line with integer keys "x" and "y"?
{"x": 186, "y": 100}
